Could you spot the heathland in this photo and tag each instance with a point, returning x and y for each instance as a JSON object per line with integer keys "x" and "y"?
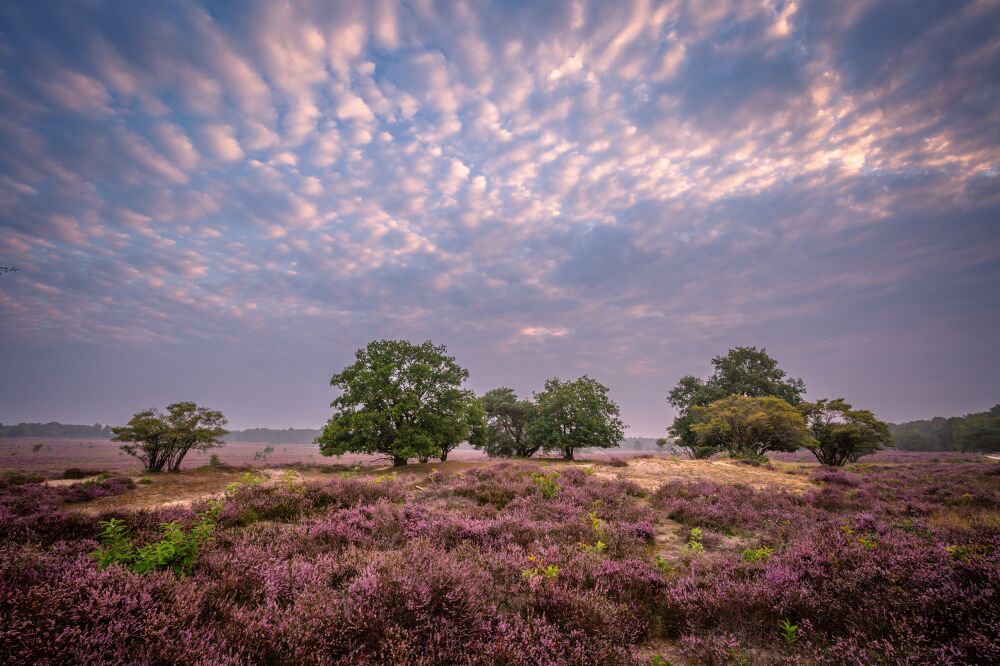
{"x": 603, "y": 560}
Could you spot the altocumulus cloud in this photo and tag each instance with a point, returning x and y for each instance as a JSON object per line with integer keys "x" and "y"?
{"x": 549, "y": 188}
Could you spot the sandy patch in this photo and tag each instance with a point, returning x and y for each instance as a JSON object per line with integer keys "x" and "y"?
{"x": 651, "y": 473}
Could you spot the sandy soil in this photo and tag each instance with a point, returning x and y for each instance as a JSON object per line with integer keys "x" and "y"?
{"x": 166, "y": 490}
{"x": 650, "y": 473}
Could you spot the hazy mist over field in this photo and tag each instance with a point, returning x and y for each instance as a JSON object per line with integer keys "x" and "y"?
{"x": 222, "y": 206}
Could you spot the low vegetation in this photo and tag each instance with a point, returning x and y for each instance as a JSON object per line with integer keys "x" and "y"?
{"x": 512, "y": 564}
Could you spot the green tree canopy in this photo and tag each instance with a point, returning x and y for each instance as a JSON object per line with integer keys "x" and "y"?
{"x": 399, "y": 400}
{"x": 575, "y": 414}
{"x": 979, "y": 431}
{"x": 843, "y": 434}
{"x": 161, "y": 441}
{"x": 746, "y": 426}
{"x": 745, "y": 371}
{"x": 506, "y": 421}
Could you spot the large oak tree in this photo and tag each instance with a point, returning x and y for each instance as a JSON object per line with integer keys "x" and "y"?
{"x": 400, "y": 400}
{"x": 575, "y": 414}
{"x": 745, "y": 371}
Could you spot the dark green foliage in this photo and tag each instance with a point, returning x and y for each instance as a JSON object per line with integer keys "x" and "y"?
{"x": 745, "y": 371}
{"x": 55, "y": 429}
{"x": 78, "y": 473}
{"x": 979, "y": 431}
{"x": 935, "y": 434}
{"x": 843, "y": 434}
{"x": 575, "y": 414}
{"x": 161, "y": 441}
{"x": 749, "y": 427}
{"x": 506, "y": 424}
{"x": 400, "y": 400}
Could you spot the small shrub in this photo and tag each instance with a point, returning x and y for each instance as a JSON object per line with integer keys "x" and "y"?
{"x": 145, "y": 481}
{"x": 539, "y": 569}
{"x": 177, "y": 549}
{"x": 751, "y": 460}
{"x": 762, "y": 554}
{"x": 78, "y": 473}
{"x": 19, "y": 478}
{"x": 663, "y": 565}
{"x": 246, "y": 480}
{"x": 694, "y": 542}
{"x": 547, "y": 483}
{"x": 790, "y": 632}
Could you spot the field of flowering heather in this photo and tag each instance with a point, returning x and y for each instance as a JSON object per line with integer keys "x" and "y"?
{"x": 523, "y": 563}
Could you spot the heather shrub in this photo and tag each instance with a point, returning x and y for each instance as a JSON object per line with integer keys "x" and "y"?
{"x": 385, "y": 614}
{"x": 899, "y": 565}
{"x": 286, "y": 502}
{"x": 733, "y": 508}
{"x": 835, "y": 477}
{"x": 18, "y": 478}
{"x": 872, "y": 579}
{"x": 34, "y": 512}
{"x": 90, "y": 490}
{"x": 497, "y": 485}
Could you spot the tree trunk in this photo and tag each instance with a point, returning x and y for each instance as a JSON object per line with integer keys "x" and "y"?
{"x": 568, "y": 453}
{"x": 444, "y": 455}
{"x": 175, "y": 465}
{"x": 399, "y": 461}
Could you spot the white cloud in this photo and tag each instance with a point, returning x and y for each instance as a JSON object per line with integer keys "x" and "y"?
{"x": 221, "y": 142}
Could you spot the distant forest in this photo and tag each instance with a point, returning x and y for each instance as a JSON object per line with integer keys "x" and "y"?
{"x": 56, "y": 429}
{"x": 972, "y": 432}
{"x": 273, "y": 435}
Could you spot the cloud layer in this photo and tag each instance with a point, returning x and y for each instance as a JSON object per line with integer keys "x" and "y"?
{"x": 553, "y": 188}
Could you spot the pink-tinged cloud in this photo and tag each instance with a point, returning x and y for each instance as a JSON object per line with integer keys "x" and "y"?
{"x": 236, "y": 200}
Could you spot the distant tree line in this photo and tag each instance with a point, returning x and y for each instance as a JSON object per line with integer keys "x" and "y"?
{"x": 979, "y": 431}
{"x": 55, "y": 429}
{"x": 274, "y": 435}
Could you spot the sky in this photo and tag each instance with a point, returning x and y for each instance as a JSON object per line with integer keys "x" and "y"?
{"x": 221, "y": 202}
